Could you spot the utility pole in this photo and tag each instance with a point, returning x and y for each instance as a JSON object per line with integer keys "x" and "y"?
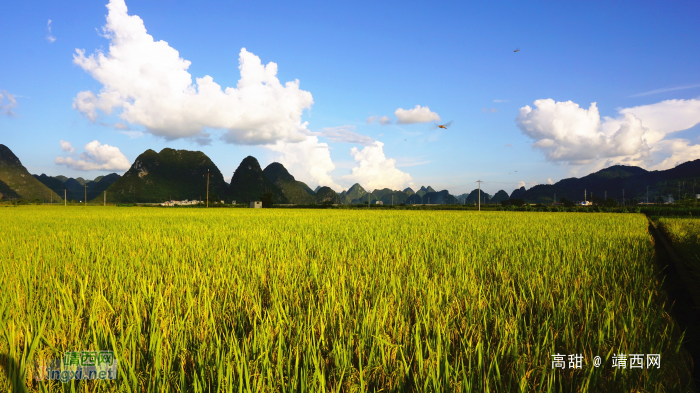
{"x": 479, "y": 181}
{"x": 679, "y": 191}
{"x": 623, "y": 197}
{"x": 392, "y": 199}
{"x": 65, "y": 203}
{"x": 207, "y": 187}
{"x": 105, "y": 202}
{"x": 86, "y": 195}
{"x": 555, "y": 199}
{"x": 51, "y": 195}
{"x": 584, "y": 195}
{"x": 647, "y": 195}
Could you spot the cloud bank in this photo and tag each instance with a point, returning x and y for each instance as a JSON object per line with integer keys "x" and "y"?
{"x": 96, "y": 157}
{"x": 567, "y": 133}
{"x": 374, "y": 170}
{"x": 416, "y": 115}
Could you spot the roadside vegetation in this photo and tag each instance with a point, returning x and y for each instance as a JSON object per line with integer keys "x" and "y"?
{"x": 684, "y": 234}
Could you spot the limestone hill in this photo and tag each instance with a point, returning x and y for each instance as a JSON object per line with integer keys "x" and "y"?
{"x": 249, "y": 183}
{"x": 170, "y": 174}
{"x": 292, "y": 189}
{"x": 16, "y": 177}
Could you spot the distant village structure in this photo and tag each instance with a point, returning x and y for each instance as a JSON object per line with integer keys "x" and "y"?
{"x": 256, "y": 205}
{"x": 180, "y": 203}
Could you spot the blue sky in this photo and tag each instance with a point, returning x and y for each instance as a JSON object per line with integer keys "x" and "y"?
{"x": 637, "y": 61}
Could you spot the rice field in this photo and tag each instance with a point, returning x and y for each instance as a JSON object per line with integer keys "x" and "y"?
{"x": 278, "y": 300}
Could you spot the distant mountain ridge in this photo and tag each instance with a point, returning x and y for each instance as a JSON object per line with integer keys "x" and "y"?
{"x": 432, "y": 198}
{"x": 75, "y": 188}
{"x": 181, "y": 174}
{"x": 621, "y": 181}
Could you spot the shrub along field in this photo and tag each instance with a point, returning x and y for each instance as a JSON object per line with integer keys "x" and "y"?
{"x": 334, "y": 300}
{"x": 684, "y": 234}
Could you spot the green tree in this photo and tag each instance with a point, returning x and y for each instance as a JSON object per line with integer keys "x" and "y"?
{"x": 267, "y": 198}
{"x": 517, "y": 202}
{"x": 566, "y": 202}
{"x": 598, "y": 201}
{"x": 610, "y": 202}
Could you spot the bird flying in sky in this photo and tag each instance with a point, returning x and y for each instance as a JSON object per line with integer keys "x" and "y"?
{"x": 443, "y": 126}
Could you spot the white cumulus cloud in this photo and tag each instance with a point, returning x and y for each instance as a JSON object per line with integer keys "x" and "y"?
{"x": 666, "y": 117}
{"x": 416, "y": 115}
{"x": 345, "y": 134}
{"x": 639, "y": 136}
{"x": 309, "y": 161}
{"x": 96, "y": 157}
{"x": 375, "y": 171}
{"x": 549, "y": 180}
{"x": 565, "y": 132}
{"x": 7, "y": 102}
{"x": 383, "y": 120}
{"x": 67, "y": 146}
{"x": 672, "y": 152}
{"x": 148, "y": 82}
